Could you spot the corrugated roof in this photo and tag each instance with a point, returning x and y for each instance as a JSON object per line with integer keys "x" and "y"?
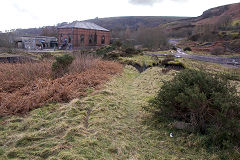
{"x": 84, "y": 25}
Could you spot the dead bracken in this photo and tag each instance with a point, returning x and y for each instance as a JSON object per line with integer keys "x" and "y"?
{"x": 21, "y": 91}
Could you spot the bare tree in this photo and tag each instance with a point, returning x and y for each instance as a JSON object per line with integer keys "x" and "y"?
{"x": 50, "y": 31}
{"x": 7, "y": 41}
{"x": 152, "y": 38}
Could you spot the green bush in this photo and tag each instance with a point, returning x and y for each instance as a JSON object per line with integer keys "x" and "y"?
{"x": 131, "y": 51}
{"x": 104, "y": 50}
{"x": 174, "y": 48}
{"x": 117, "y": 44}
{"x": 187, "y": 49}
{"x": 61, "y": 65}
{"x": 208, "y": 102}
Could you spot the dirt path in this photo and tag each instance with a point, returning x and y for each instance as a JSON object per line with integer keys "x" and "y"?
{"x": 108, "y": 124}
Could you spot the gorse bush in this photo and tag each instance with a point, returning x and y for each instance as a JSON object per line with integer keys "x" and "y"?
{"x": 61, "y": 65}
{"x": 174, "y": 48}
{"x": 104, "y": 50}
{"x": 208, "y": 102}
{"x": 131, "y": 51}
{"x": 187, "y": 49}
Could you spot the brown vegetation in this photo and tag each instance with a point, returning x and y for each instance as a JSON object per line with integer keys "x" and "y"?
{"x": 219, "y": 15}
{"x": 24, "y": 87}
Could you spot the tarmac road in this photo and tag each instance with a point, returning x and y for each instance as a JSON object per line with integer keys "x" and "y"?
{"x": 226, "y": 61}
{"x": 233, "y": 62}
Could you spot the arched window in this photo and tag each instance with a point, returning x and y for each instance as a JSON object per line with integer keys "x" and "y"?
{"x": 61, "y": 36}
{"x": 69, "y": 39}
{"x": 103, "y": 40}
{"x": 95, "y": 38}
{"x": 90, "y": 39}
{"x": 82, "y": 38}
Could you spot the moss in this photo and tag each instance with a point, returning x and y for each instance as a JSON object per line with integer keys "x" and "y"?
{"x": 177, "y": 64}
{"x": 141, "y": 60}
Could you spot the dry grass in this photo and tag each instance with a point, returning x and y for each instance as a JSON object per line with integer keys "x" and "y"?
{"x": 28, "y": 86}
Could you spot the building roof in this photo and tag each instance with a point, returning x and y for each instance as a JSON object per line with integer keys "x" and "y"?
{"x": 84, "y": 25}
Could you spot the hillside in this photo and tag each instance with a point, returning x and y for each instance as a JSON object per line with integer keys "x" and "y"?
{"x": 218, "y": 14}
{"x": 134, "y": 22}
{"x": 111, "y": 23}
{"x": 227, "y": 14}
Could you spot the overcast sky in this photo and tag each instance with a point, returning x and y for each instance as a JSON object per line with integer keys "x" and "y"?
{"x": 31, "y": 13}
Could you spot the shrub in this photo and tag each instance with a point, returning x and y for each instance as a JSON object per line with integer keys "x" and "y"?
{"x": 131, "y": 51}
{"x": 187, "y": 49}
{"x": 152, "y": 38}
{"x": 208, "y": 102}
{"x": 174, "y": 48}
{"x": 61, "y": 65}
{"x": 105, "y": 50}
{"x": 46, "y": 56}
{"x": 117, "y": 44}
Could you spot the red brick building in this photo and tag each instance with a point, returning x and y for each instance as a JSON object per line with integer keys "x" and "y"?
{"x": 82, "y": 34}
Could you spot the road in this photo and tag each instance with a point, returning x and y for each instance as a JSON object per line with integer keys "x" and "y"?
{"x": 226, "y": 61}
{"x": 233, "y": 62}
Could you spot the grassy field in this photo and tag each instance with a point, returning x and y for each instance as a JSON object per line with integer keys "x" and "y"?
{"x": 107, "y": 124}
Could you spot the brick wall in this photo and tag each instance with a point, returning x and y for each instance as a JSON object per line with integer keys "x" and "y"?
{"x": 76, "y": 33}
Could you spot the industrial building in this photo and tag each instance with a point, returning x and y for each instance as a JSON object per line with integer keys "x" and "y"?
{"x": 78, "y": 35}
{"x": 35, "y": 43}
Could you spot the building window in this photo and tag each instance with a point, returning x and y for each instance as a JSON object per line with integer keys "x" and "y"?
{"x": 95, "y": 38}
{"x": 61, "y": 35}
{"x": 90, "y": 39}
{"x": 82, "y": 39}
{"x": 69, "y": 39}
{"x": 103, "y": 40}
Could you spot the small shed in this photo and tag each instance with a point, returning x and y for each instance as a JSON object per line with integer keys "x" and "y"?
{"x": 38, "y": 42}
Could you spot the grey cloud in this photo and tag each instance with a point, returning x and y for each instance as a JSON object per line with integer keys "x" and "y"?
{"x": 149, "y": 2}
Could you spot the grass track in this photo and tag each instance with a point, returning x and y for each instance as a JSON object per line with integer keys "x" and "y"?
{"x": 108, "y": 124}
